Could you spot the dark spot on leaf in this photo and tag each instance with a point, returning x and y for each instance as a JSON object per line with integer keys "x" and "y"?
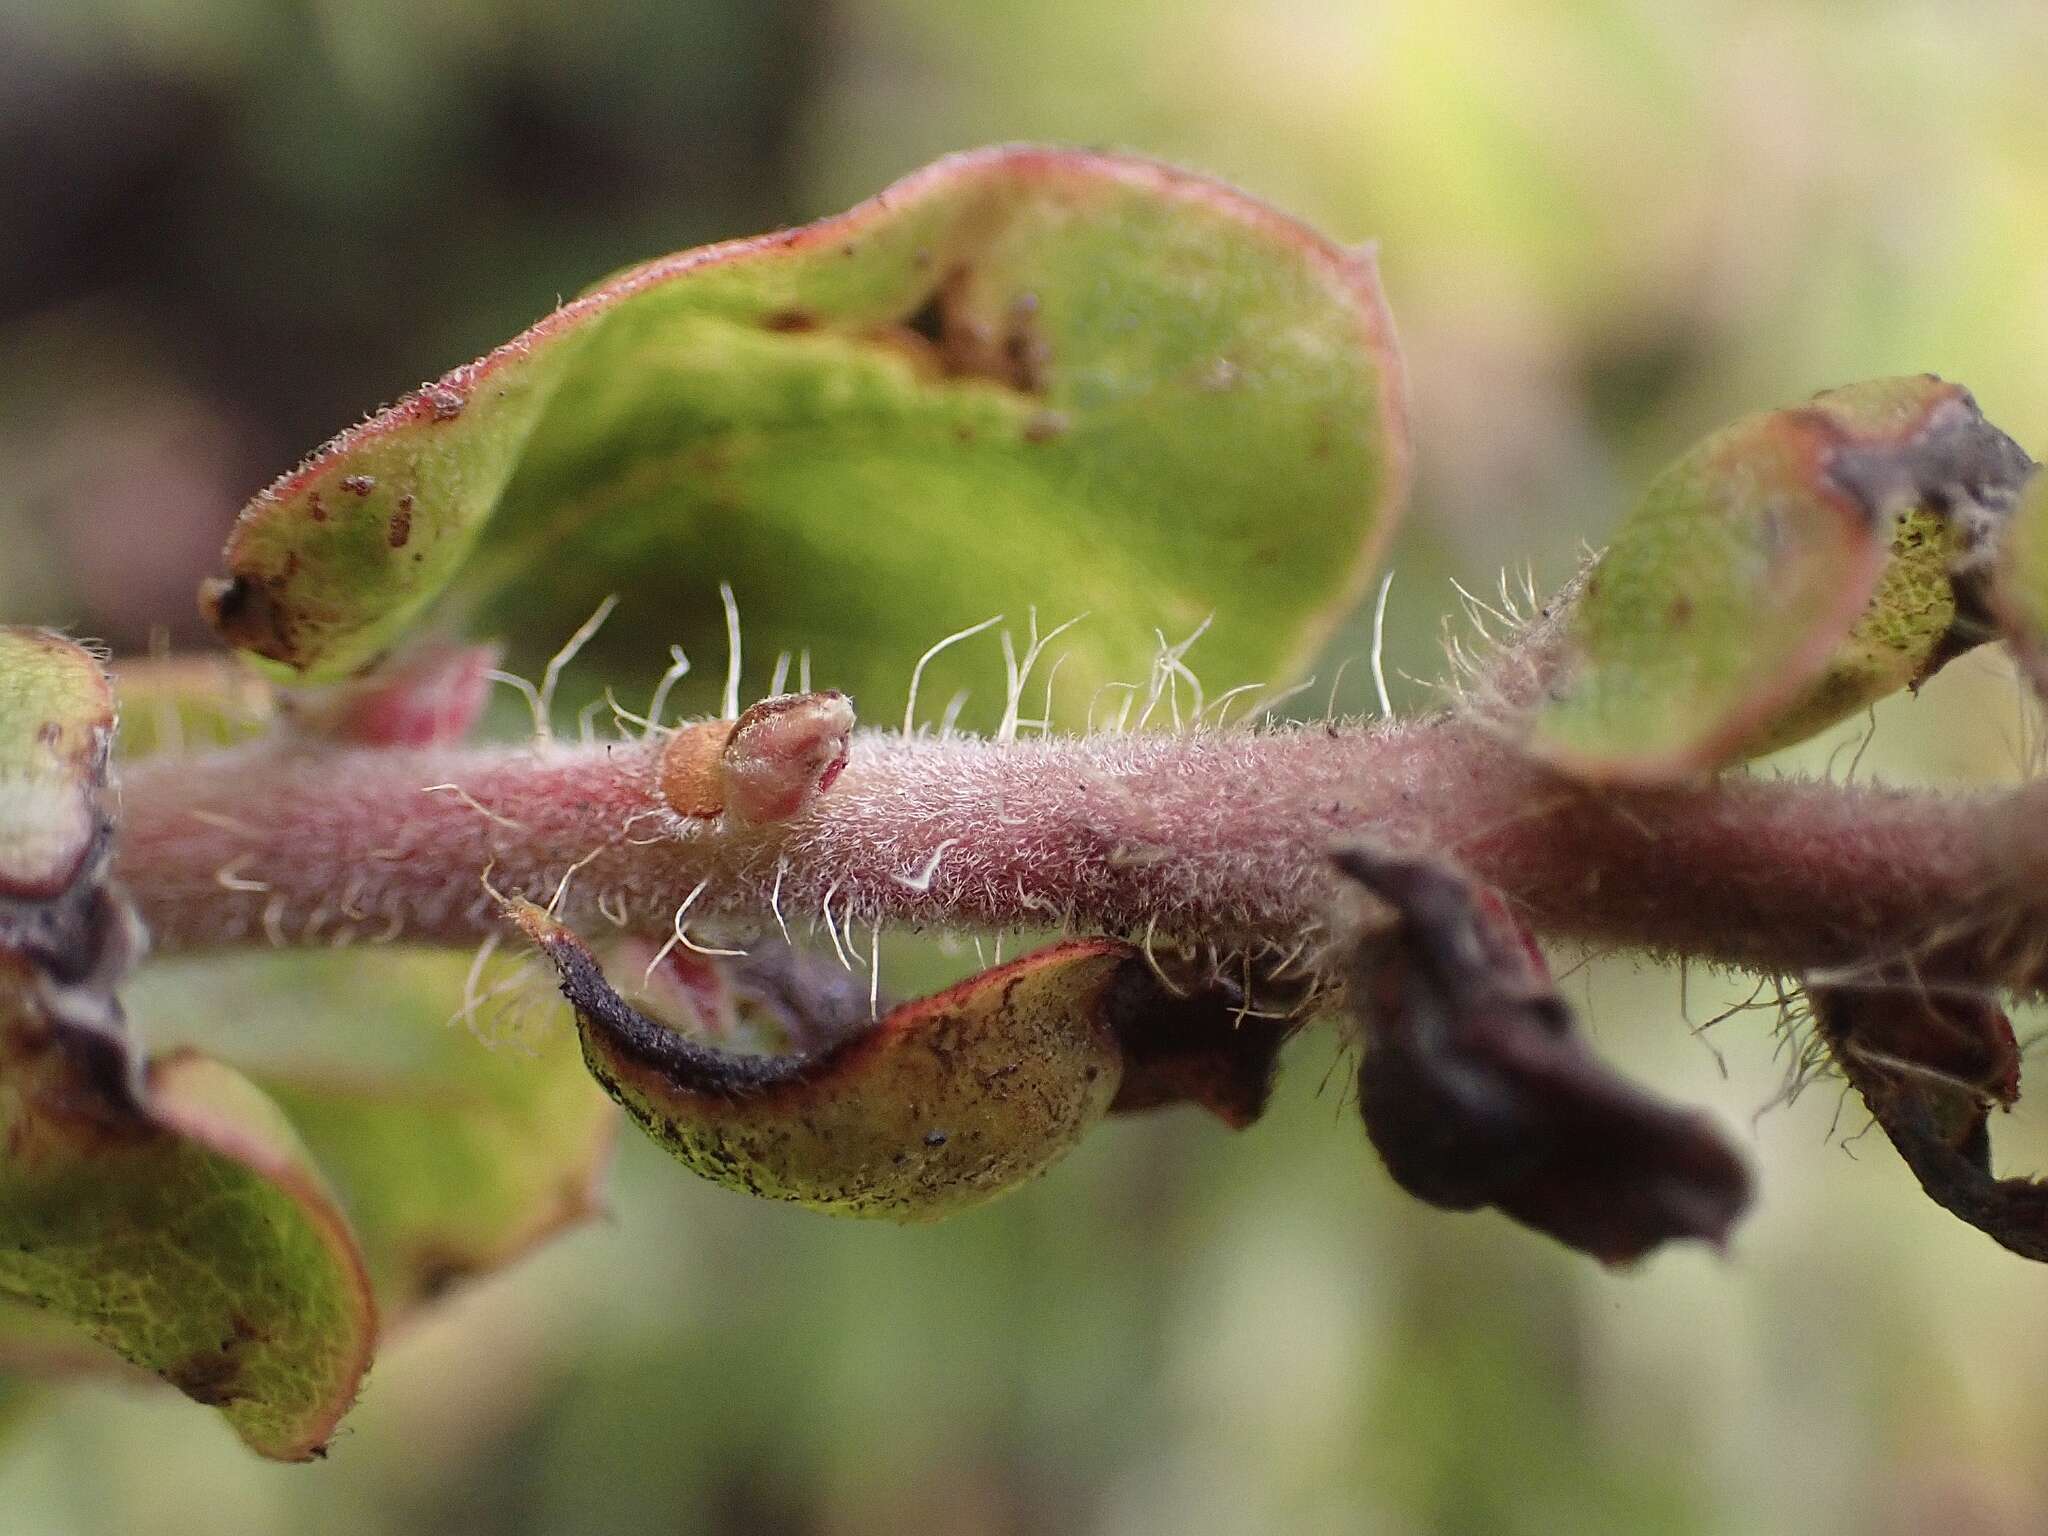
{"x": 791, "y": 321}
{"x": 400, "y": 528}
{"x": 935, "y": 1138}
{"x": 968, "y": 343}
{"x": 211, "y": 1376}
{"x": 359, "y": 485}
{"x": 928, "y": 320}
{"x": 1476, "y": 1089}
{"x": 315, "y": 507}
{"x": 245, "y": 615}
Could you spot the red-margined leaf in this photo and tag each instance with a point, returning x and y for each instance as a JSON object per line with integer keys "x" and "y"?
{"x": 1020, "y": 376}
{"x": 1786, "y": 572}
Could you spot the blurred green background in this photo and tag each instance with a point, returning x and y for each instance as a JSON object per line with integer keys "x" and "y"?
{"x": 228, "y": 227}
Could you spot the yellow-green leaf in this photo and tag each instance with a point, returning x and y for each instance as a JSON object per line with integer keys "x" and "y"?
{"x": 168, "y": 1211}
{"x": 1021, "y": 376}
{"x": 56, "y": 727}
{"x": 1786, "y": 572}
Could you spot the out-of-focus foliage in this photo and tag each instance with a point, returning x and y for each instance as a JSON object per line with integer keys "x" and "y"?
{"x": 1606, "y": 228}
{"x": 2022, "y": 585}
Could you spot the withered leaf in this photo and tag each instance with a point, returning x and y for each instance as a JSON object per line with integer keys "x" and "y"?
{"x": 1477, "y": 1090}
{"x": 1931, "y": 1066}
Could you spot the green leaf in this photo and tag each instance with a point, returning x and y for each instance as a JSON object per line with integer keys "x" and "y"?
{"x": 2022, "y": 583}
{"x": 56, "y": 727}
{"x": 938, "y": 1105}
{"x": 178, "y": 1221}
{"x": 1788, "y": 571}
{"x": 168, "y": 1211}
{"x": 1020, "y": 376}
{"x": 782, "y": 1075}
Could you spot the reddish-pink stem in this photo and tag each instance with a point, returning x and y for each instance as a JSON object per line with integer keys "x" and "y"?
{"x": 1218, "y": 838}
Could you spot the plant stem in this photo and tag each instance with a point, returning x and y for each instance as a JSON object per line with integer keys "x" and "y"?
{"x": 1212, "y": 838}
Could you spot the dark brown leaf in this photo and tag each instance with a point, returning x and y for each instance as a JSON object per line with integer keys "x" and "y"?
{"x": 1931, "y": 1067}
{"x": 1477, "y": 1090}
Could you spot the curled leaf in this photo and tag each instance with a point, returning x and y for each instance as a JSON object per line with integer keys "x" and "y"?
{"x": 935, "y": 1106}
{"x": 452, "y": 1150}
{"x": 2021, "y": 591}
{"x": 1476, "y": 1089}
{"x": 1931, "y": 1067}
{"x": 1786, "y": 572}
{"x": 939, "y": 1105}
{"x": 173, "y": 1216}
{"x": 1019, "y": 371}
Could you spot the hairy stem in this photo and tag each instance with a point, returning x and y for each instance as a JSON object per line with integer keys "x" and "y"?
{"x": 1216, "y": 838}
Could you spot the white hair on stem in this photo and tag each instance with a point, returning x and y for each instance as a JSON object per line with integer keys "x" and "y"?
{"x": 874, "y": 971}
{"x": 680, "y": 935}
{"x": 949, "y": 717}
{"x": 1127, "y": 689}
{"x": 1336, "y": 682}
{"x": 1044, "y": 722}
{"x": 1477, "y": 609}
{"x": 471, "y": 997}
{"x": 780, "y": 676}
{"x": 846, "y": 923}
{"x": 1018, "y": 672}
{"x": 729, "y": 702}
{"x": 1268, "y": 706}
{"x": 775, "y": 901}
{"x": 1167, "y": 670}
{"x": 227, "y": 878}
{"x": 551, "y": 672}
{"x": 473, "y": 803}
{"x": 541, "y": 730}
{"x": 562, "y": 888}
{"x": 1221, "y": 703}
{"x": 917, "y": 672}
{"x": 1379, "y": 646}
{"x": 922, "y": 880}
{"x": 678, "y": 669}
{"x": 831, "y": 929}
